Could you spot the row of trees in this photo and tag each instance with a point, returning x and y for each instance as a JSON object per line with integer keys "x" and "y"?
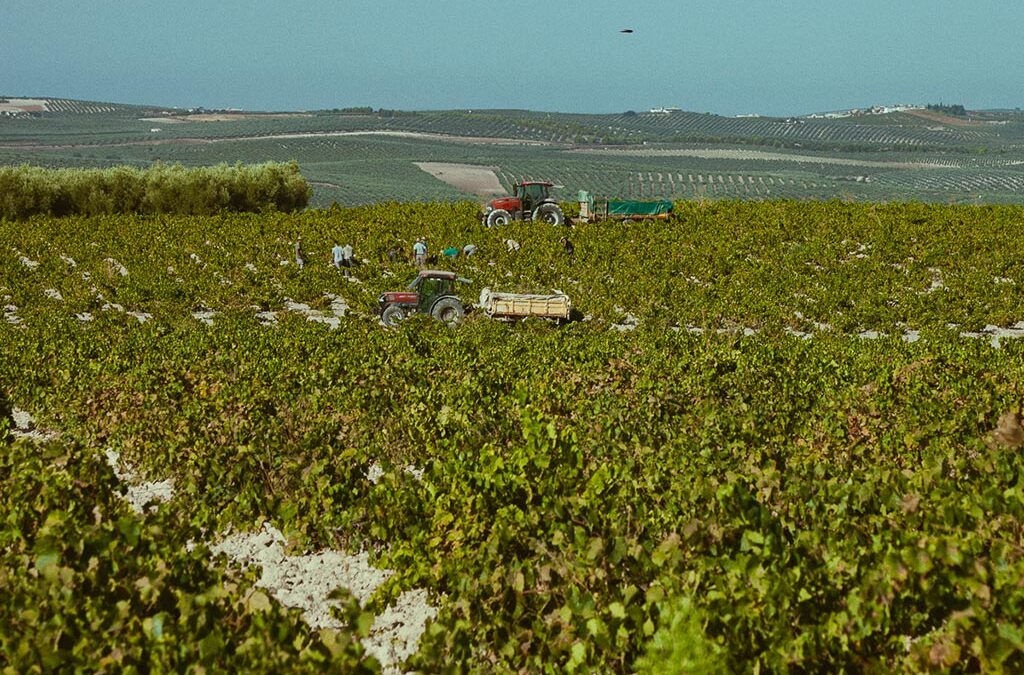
{"x": 27, "y": 191}
{"x": 956, "y": 110}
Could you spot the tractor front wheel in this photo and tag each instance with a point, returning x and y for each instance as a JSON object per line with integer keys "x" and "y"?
{"x": 392, "y": 315}
{"x": 448, "y": 310}
{"x": 550, "y": 214}
{"x": 498, "y": 217}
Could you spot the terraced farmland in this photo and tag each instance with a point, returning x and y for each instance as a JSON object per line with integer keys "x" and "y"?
{"x": 360, "y": 157}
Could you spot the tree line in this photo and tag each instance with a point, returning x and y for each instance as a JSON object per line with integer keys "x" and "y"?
{"x": 27, "y": 191}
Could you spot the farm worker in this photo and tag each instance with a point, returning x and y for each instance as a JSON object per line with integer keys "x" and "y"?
{"x": 469, "y": 249}
{"x": 419, "y": 251}
{"x": 339, "y": 254}
{"x": 393, "y": 253}
{"x": 347, "y": 258}
{"x": 300, "y": 255}
{"x": 569, "y": 248}
{"x": 511, "y": 245}
{"x": 451, "y": 252}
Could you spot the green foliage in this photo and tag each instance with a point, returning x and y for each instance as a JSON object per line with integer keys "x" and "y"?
{"x": 680, "y": 646}
{"x": 955, "y": 109}
{"x": 687, "y": 493}
{"x": 88, "y": 586}
{"x": 27, "y": 191}
{"x": 5, "y": 416}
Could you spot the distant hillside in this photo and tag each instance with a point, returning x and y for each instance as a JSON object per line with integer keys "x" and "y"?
{"x": 363, "y": 155}
{"x": 17, "y": 106}
{"x": 862, "y": 131}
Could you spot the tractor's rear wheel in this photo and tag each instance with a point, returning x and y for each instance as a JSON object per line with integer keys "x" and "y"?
{"x": 549, "y": 213}
{"x": 448, "y": 310}
{"x": 498, "y": 217}
{"x": 392, "y": 315}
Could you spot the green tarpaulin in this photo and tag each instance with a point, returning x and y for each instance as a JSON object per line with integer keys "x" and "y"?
{"x": 633, "y": 207}
{"x": 624, "y": 207}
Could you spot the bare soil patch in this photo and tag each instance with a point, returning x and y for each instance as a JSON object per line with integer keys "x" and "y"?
{"x": 934, "y": 116}
{"x": 23, "y": 105}
{"x": 163, "y": 120}
{"x": 476, "y": 180}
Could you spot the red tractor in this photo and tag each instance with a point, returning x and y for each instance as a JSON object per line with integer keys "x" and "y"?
{"x": 532, "y": 201}
{"x": 432, "y": 292}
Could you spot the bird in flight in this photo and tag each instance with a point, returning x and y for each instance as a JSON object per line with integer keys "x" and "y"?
{"x": 626, "y": 30}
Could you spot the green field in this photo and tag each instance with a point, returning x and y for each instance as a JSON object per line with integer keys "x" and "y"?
{"x": 781, "y": 437}
{"x": 870, "y": 158}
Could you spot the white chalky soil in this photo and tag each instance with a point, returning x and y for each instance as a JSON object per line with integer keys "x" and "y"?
{"x": 306, "y": 581}
{"x": 140, "y": 494}
{"x": 303, "y": 581}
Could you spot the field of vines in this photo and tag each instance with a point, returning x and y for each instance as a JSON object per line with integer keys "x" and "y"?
{"x": 364, "y": 156}
{"x": 778, "y": 437}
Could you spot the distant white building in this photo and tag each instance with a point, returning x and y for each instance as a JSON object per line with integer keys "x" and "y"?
{"x": 873, "y": 110}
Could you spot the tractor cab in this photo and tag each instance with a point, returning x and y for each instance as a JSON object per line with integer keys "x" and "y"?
{"x": 430, "y": 285}
{"x": 531, "y": 194}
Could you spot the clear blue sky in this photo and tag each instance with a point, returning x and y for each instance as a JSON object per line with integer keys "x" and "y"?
{"x": 730, "y": 57}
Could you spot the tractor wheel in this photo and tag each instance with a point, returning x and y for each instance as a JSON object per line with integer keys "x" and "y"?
{"x": 392, "y": 315}
{"x": 498, "y": 217}
{"x": 448, "y": 310}
{"x": 549, "y": 213}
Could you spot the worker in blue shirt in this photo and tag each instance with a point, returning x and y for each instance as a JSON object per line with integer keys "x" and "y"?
{"x": 419, "y": 251}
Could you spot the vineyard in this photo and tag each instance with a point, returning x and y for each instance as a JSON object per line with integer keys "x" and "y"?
{"x": 779, "y": 437}
{"x": 364, "y": 156}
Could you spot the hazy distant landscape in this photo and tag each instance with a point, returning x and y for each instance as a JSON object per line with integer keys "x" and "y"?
{"x": 362, "y": 155}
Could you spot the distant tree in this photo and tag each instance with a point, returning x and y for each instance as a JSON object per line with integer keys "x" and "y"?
{"x": 955, "y": 110}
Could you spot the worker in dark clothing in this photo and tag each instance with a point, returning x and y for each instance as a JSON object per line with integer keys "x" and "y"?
{"x": 567, "y": 245}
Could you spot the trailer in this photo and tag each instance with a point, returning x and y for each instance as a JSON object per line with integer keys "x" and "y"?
{"x": 432, "y": 292}
{"x": 600, "y": 208}
{"x": 513, "y": 306}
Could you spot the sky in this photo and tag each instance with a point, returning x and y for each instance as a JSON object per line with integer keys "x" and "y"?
{"x": 772, "y": 57}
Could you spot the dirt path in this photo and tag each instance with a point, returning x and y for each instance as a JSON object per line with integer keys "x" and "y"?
{"x": 747, "y": 155}
{"x": 471, "y": 140}
{"x": 222, "y": 117}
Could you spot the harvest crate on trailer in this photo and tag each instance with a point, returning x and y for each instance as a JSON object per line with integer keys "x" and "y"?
{"x": 599, "y": 208}
{"x": 512, "y": 306}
